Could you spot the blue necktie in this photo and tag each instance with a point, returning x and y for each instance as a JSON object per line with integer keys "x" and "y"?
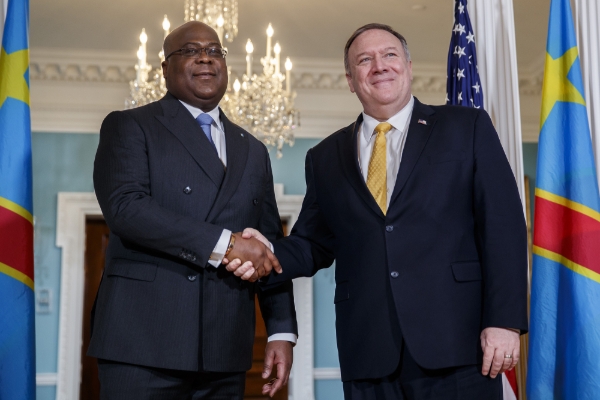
{"x": 205, "y": 122}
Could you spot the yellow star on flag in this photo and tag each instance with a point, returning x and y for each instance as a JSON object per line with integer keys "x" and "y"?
{"x": 557, "y": 86}
{"x": 12, "y": 76}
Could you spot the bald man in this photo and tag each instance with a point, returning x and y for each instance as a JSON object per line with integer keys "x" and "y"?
{"x": 174, "y": 179}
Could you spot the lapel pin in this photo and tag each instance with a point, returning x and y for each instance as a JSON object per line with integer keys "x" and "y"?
{"x": 422, "y": 121}
{"x": 242, "y": 134}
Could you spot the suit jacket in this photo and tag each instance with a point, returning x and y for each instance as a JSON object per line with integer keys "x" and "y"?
{"x": 166, "y": 198}
{"x": 448, "y": 260}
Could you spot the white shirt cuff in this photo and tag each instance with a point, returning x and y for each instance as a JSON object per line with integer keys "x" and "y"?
{"x": 290, "y": 337}
{"x": 219, "y": 251}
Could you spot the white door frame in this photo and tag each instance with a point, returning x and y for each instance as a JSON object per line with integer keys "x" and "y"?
{"x": 73, "y": 209}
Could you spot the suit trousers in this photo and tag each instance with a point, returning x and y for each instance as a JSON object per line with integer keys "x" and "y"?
{"x": 411, "y": 382}
{"x": 120, "y": 381}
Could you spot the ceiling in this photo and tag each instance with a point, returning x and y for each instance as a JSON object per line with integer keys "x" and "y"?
{"x": 304, "y": 28}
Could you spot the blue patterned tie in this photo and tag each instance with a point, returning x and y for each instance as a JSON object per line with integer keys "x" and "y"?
{"x": 205, "y": 122}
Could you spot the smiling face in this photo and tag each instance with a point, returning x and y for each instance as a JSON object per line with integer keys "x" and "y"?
{"x": 379, "y": 73}
{"x": 200, "y": 82}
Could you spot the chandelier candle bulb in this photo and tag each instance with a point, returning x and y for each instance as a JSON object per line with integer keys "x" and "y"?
{"x": 142, "y": 51}
{"x": 166, "y": 25}
{"x": 141, "y": 74}
{"x": 277, "y": 50}
{"x": 138, "y": 67}
{"x": 249, "y": 50}
{"x": 270, "y": 33}
{"x": 220, "y": 23}
{"x": 288, "y": 69}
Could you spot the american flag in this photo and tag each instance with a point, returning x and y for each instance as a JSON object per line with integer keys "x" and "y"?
{"x": 464, "y": 86}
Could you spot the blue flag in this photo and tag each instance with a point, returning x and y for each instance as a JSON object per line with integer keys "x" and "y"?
{"x": 564, "y": 350}
{"x": 17, "y": 336}
{"x": 463, "y": 87}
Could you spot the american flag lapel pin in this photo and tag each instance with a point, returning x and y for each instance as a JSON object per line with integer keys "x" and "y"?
{"x": 422, "y": 121}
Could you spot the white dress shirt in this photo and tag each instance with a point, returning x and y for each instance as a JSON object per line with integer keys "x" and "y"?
{"x": 217, "y": 134}
{"x": 395, "y": 140}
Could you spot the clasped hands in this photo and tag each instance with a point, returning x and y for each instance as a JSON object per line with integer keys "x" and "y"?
{"x": 251, "y": 257}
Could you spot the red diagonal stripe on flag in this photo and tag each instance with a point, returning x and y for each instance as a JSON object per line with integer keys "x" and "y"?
{"x": 16, "y": 242}
{"x": 567, "y": 232}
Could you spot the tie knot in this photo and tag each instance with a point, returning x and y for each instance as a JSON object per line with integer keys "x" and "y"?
{"x": 383, "y": 127}
{"x": 204, "y": 119}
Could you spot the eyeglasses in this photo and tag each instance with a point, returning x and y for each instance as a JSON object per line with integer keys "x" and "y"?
{"x": 196, "y": 52}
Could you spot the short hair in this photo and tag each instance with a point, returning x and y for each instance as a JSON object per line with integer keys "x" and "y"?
{"x": 369, "y": 27}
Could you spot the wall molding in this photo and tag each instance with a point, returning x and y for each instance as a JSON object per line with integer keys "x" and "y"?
{"x": 531, "y": 77}
{"x": 76, "y": 66}
{"x": 327, "y": 374}
{"x": 72, "y": 91}
{"x": 118, "y": 67}
{"x": 73, "y": 209}
{"x": 46, "y": 379}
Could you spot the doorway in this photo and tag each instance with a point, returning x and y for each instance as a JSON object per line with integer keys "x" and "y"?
{"x": 96, "y": 242}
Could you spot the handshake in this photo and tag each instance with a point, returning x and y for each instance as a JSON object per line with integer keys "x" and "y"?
{"x": 251, "y": 257}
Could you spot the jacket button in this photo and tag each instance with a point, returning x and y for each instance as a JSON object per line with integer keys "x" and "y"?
{"x": 192, "y": 278}
{"x": 389, "y": 228}
{"x": 394, "y": 274}
{"x": 187, "y": 190}
{"x": 255, "y": 201}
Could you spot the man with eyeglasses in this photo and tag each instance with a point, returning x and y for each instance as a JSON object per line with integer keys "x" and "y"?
{"x": 174, "y": 179}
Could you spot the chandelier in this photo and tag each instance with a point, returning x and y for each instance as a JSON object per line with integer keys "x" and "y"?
{"x": 260, "y": 103}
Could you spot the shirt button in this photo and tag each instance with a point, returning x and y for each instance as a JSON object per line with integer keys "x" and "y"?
{"x": 187, "y": 190}
{"x": 389, "y": 228}
{"x": 192, "y": 278}
{"x": 394, "y": 274}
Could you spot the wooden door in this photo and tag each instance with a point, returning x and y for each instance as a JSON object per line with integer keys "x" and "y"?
{"x": 96, "y": 241}
{"x": 254, "y": 380}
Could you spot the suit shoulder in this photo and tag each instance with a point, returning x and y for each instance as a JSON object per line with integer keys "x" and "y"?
{"x": 326, "y": 144}
{"x": 139, "y": 113}
{"x": 462, "y": 112}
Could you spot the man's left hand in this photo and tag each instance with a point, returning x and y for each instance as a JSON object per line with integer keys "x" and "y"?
{"x": 278, "y": 354}
{"x": 501, "y": 350}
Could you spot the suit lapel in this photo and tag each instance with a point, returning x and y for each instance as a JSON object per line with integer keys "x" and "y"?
{"x": 181, "y": 124}
{"x": 348, "y": 154}
{"x": 236, "y": 141}
{"x": 417, "y": 136}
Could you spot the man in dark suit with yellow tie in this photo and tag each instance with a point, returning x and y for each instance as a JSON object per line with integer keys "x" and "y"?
{"x": 174, "y": 179}
{"x": 419, "y": 208}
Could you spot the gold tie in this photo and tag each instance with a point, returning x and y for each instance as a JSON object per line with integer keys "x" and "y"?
{"x": 377, "y": 175}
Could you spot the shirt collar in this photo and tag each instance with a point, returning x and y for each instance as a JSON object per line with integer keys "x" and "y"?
{"x": 214, "y": 113}
{"x": 398, "y": 120}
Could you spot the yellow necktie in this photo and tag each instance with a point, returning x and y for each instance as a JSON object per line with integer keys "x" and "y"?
{"x": 377, "y": 175}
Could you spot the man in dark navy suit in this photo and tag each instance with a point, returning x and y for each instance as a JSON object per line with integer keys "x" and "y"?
{"x": 174, "y": 179}
{"x": 419, "y": 208}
